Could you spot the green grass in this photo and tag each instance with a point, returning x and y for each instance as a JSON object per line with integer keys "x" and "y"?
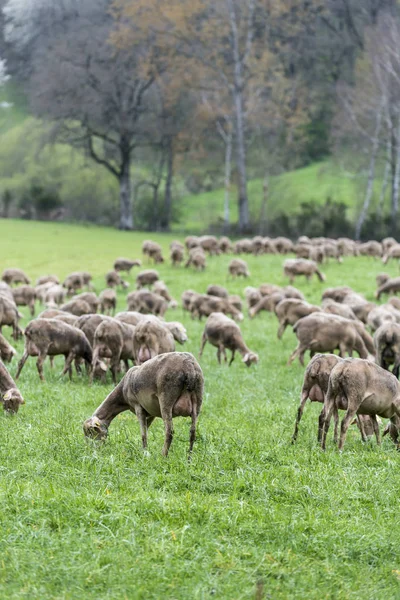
{"x": 251, "y": 512}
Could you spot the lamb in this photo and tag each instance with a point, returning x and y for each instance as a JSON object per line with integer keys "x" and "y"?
{"x": 125, "y": 264}
{"x": 108, "y": 301}
{"x": 113, "y": 340}
{"x": 367, "y": 389}
{"x": 77, "y": 307}
{"x": 146, "y": 278}
{"x": 326, "y": 335}
{"x": 222, "y": 332}
{"x": 146, "y": 302}
{"x": 10, "y": 395}
{"x": 90, "y": 298}
{"x": 47, "y": 279}
{"x": 203, "y": 305}
{"x": 11, "y": 276}
{"x": 167, "y": 386}
{"x": 55, "y": 296}
{"x": 6, "y": 350}
{"x": 114, "y": 279}
{"x": 392, "y": 286}
{"x": 176, "y": 256}
{"x": 10, "y": 316}
{"x": 290, "y": 310}
{"x": 48, "y": 337}
{"x": 295, "y": 267}
{"x": 217, "y": 290}
{"x": 387, "y": 344}
{"x": 197, "y": 259}
{"x": 238, "y": 268}
{"x": 25, "y": 295}
{"x": 150, "y": 339}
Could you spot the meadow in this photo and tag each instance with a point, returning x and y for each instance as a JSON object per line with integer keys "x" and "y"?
{"x": 251, "y": 516}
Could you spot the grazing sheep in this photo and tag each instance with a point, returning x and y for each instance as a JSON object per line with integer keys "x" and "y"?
{"x": 217, "y": 290}
{"x": 66, "y": 318}
{"x": 326, "y": 335}
{"x": 113, "y": 340}
{"x": 243, "y": 247}
{"x": 381, "y": 314}
{"x": 391, "y": 286}
{"x": 88, "y": 324}
{"x": 49, "y": 337}
{"x": 114, "y": 279}
{"x": 25, "y": 295}
{"x": 267, "y": 303}
{"x": 357, "y": 325}
{"x": 209, "y": 243}
{"x": 6, "y": 350}
{"x": 6, "y": 290}
{"x": 253, "y": 296}
{"x": 197, "y": 259}
{"x": 294, "y": 267}
{"x": 203, "y": 305}
{"x": 283, "y": 245}
{"x": 366, "y": 389}
{"x": 90, "y": 298}
{"x": 77, "y": 308}
{"x": 187, "y": 298}
{"x": 393, "y": 252}
{"x": 177, "y": 255}
{"x": 150, "y": 339}
{"x": 371, "y": 248}
{"x": 395, "y": 302}
{"x": 161, "y": 289}
{"x": 387, "y": 344}
{"x": 147, "y": 302}
{"x": 238, "y": 268}
{"x": 131, "y": 317}
{"x": 236, "y": 301}
{"x": 146, "y": 278}
{"x": 290, "y": 310}
{"x": 125, "y": 264}
{"x": 382, "y": 278}
{"x": 10, "y": 395}
{"x": 387, "y": 243}
{"x": 336, "y": 308}
{"x": 11, "y": 276}
{"x": 224, "y": 333}
{"x": 337, "y": 294}
{"x": 167, "y": 386}
{"x": 76, "y": 281}
{"x": 225, "y": 245}
{"x": 55, "y": 295}
{"x": 10, "y": 316}
{"x": 47, "y": 279}
{"x": 50, "y": 313}
{"x": 108, "y": 301}
{"x": 153, "y": 251}
{"x": 192, "y": 241}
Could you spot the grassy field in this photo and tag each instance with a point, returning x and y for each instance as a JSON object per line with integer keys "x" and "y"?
{"x": 251, "y": 517}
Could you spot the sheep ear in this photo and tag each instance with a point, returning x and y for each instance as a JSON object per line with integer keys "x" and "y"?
{"x": 7, "y": 395}
{"x": 246, "y": 357}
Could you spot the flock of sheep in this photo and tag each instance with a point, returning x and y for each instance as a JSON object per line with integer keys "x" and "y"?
{"x": 165, "y": 383}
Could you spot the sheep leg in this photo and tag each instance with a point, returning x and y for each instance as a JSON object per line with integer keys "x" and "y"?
{"x": 224, "y": 353}
{"x": 21, "y": 364}
{"x": 327, "y": 421}
{"x": 347, "y": 419}
{"x": 203, "y": 343}
{"x": 294, "y": 354}
{"x": 39, "y": 364}
{"x": 300, "y": 411}
{"x": 336, "y": 422}
{"x": 232, "y": 357}
{"x": 375, "y": 425}
{"x": 281, "y": 329}
{"x": 67, "y": 366}
{"x": 195, "y": 416}
{"x": 142, "y": 418}
{"x": 362, "y": 429}
{"x": 51, "y": 359}
{"x": 166, "y": 414}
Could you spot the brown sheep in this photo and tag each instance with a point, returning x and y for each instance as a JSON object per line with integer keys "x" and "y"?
{"x": 131, "y": 317}
{"x": 387, "y": 345}
{"x": 66, "y": 318}
{"x": 192, "y": 241}
{"x": 197, "y": 259}
{"x": 108, "y": 301}
{"x": 368, "y": 390}
{"x": 236, "y": 301}
{"x": 113, "y": 340}
{"x": 392, "y": 286}
{"x": 267, "y": 303}
{"x": 209, "y": 243}
{"x": 76, "y": 281}
{"x": 295, "y": 267}
{"x": 283, "y": 245}
{"x": 11, "y": 276}
{"x": 187, "y": 297}
{"x": 225, "y": 245}
{"x": 146, "y": 278}
{"x": 290, "y": 310}
{"x": 371, "y": 248}
{"x": 147, "y": 302}
{"x": 253, "y": 296}
{"x": 153, "y": 251}
{"x": 387, "y": 243}
{"x": 176, "y": 256}
{"x": 10, "y": 316}
{"x": 6, "y": 290}
{"x": 55, "y": 295}
{"x": 25, "y": 295}
{"x": 114, "y": 279}
{"x": 243, "y": 247}
{"x": 10, "y": 395}
{"x": 217, "y": 290}
{"x": 224, "y": 333}
{"x": 393, "y": 252}
{"x": 150, "y": 339}
{"x": 203, "y": 305}
{"x": 48, "y": 337}
{"x": 382, "y": 278}
{"x": 50, "y": 313}
{"x": 90, "y": 298}
{"x": 357, "y": 325}
{"x": 161, "y": 289}
{"x": 6, "y": 350}
{"x": 77, "y": 308}
{"x": 336, "y": 308}
{"x": 47, "y": 279}
{"x": 337, "y": 294}
{"x": 125, "y": 265}
{"x": 167, "y": 386}
{"x": 326, "y": 335}
{"x": 88, "y": 324}
{"x": 382, "y": 314}
{"x": 238, "y": 268}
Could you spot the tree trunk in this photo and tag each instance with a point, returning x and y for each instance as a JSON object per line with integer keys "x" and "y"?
{"x": 228, "y": 172}
{"x": 126, "y": 214}
{"x": 379, "y": 210}
{"x": 166, "y": 217}
{"x": 371, "y": 174}
{"x": 241, "y": 164}
{"x": 395, "y": 175}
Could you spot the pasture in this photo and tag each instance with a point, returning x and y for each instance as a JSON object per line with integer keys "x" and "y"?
{"x": 251, "y": 516}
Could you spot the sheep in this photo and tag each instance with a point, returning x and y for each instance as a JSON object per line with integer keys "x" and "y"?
{"x": 6, "y": 291}
{"x": 77, "y": 307}
{"x": 49, "y": 337}
{"x": 326, "y": 335}
{"x": 131, "y": 317}
{"x": 382, "y": 314}
{"x": 269, "y": 246}
{"x": 367, "y": 389}
{"x": 290, "y": 310}
{"x": 217, "y": 290}
{"x": 10, "y": 316}
{"x": 153, "y": 251}
{"x": 209, "y": 243}
{"x": 161, "y": 289}
{"x": 114, "y": 279}
{"x": 392, "y": 286}
{"x": 55, "y": 296}
{"x": 291, "y": 292}
{"x": 336, "y": 308}
{"x": 167, "y": 386}
{"x": 66, "y": 318}
{"x": 108, "y": 301}
{"x": 6, "y": 350}
{"x": 203, "y": 305}
{"x": 90, "y": 298}
{"x": 253, "y": 296}
{"x": 176, "y": 256}
{"x": 25, "y": 295}
{"x": 222, "y": 332}
{"x": 225, "y": 245}
{"x": 187, "y": 298}
{"x": 257, "y": 245}
{"x": 197, "y": 259}
{"x": 295, "y": 267}
{"x": 381, "y": 279}
{"x": 243, "y": 247}
{"x": 146, "y": 278}
{"x": 177, "y": 329}
{"x": 236, "y": 301}
{"x": 146, "y": 302}
{"x": 395, "y": 302}
{"x": 357, "y": 325}
{"x": 315, "y": 387}
{"x": 337, "y": 294}
{"x": 50, "y": 313}
{"x": 47, "y": 279}
{"x": 267, "y": 303}
{"x": 150, "y": 339}
{"x": 238, "y": 268}
{"x": 88, "y": 324}
{"x": 192, "y": 241}
{"x": 283, "y": 245}
{"x": 11, "y": 276}
{"x": 392, "y": 252}
{"x": 387, "y": 344}
{"x": 76, "y": 281}
{"x": 10, "y": 395}
{"x": 125, "y": 264}
{"x": 371, "y": 248}
{"x": 387, "y": 243}
{"x": 113, "y": 340}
